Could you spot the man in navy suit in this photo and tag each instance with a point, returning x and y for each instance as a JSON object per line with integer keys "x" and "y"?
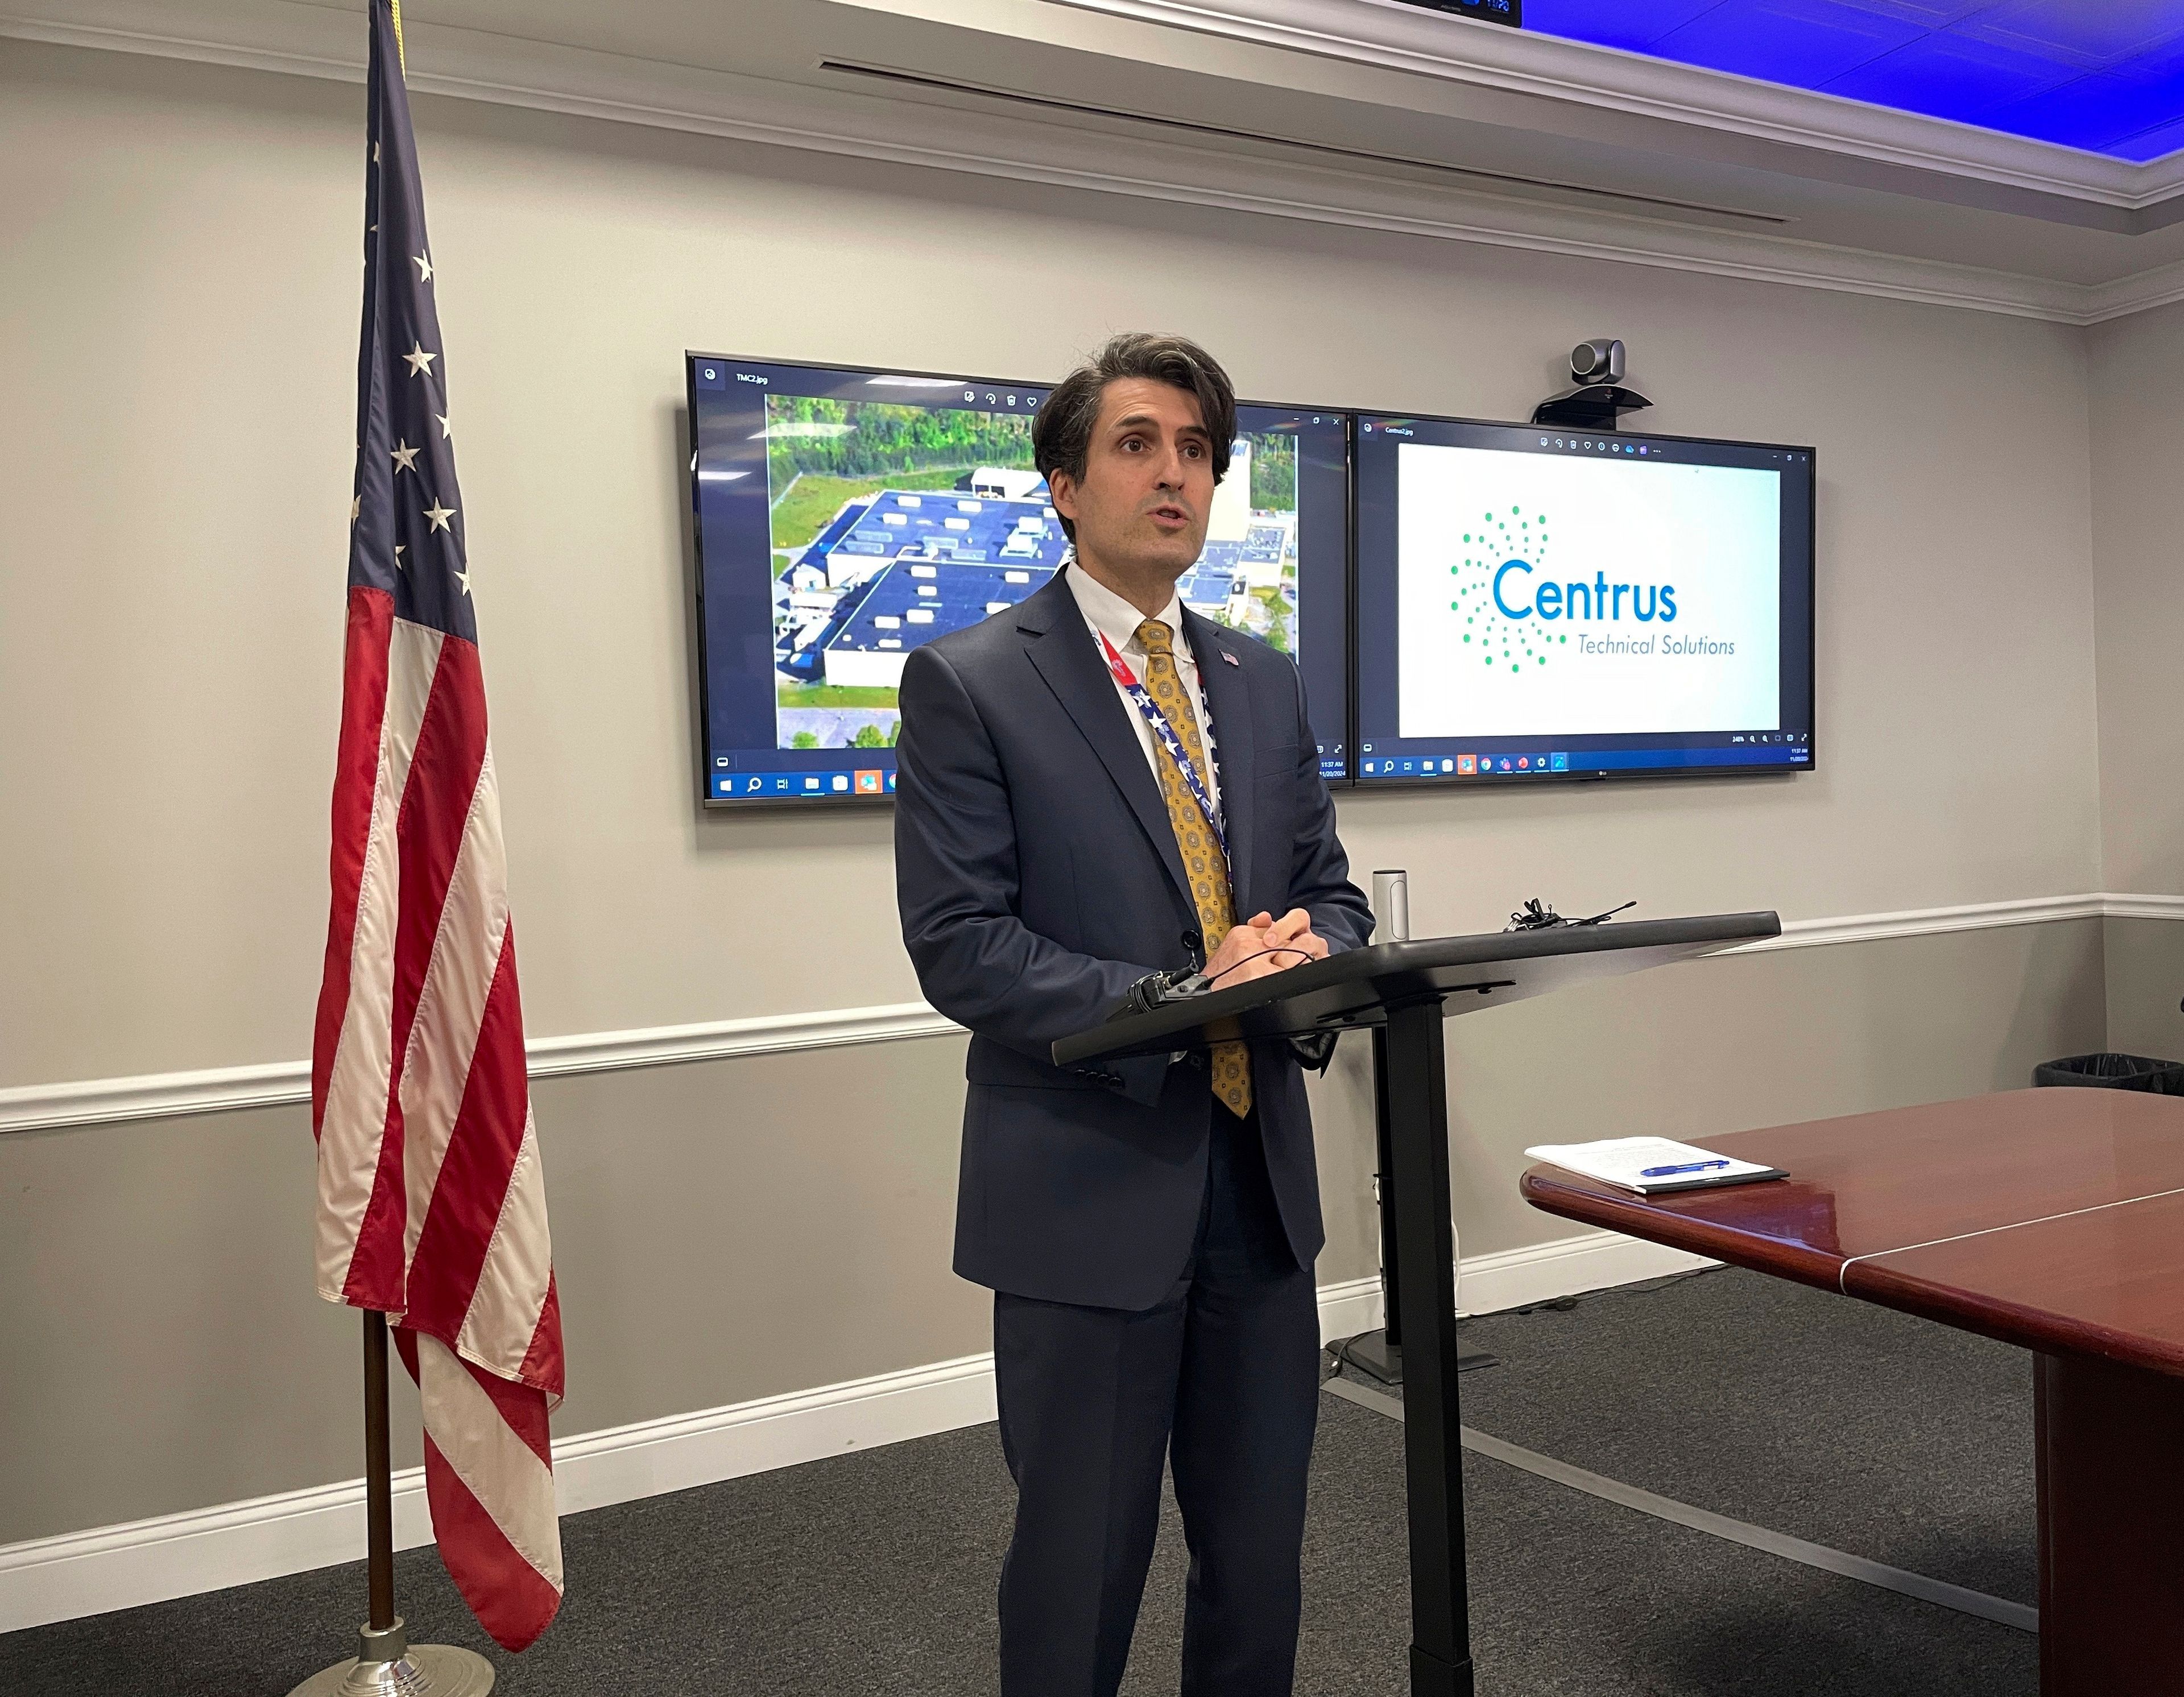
{"x": 1098, "y": 790}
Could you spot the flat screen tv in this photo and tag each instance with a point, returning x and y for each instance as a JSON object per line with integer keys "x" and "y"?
{"x": 846, "y": 515}
{"x": 1536, "y": 604}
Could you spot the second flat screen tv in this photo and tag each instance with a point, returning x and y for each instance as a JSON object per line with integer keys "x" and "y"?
{"x": 844, "y": 516}
{"x": 1535, "y": 602}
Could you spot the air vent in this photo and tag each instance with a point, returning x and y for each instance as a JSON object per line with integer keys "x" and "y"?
{"x": 1085, "y": 108}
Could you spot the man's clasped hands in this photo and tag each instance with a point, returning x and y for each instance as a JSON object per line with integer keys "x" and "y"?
{"x": 1263, "y": 944}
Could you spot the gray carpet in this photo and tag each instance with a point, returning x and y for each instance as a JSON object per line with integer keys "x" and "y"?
{"x": 874, "y": 1572}
{"x": 1802, "y": 1411}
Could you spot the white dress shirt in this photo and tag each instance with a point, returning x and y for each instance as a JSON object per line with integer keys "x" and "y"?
{"x": 1107, "y": 613}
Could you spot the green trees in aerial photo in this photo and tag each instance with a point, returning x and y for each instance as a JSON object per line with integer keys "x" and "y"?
{"x": 869, "y": 440}
{"x": 1274, "y": 471}
{"x": 881, "y": 437}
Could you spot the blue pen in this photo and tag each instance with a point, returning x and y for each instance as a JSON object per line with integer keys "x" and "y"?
{"x": 1688, "y": 1166}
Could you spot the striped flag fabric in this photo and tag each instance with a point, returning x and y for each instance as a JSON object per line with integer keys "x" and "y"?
{"x": 432, "y": 1206}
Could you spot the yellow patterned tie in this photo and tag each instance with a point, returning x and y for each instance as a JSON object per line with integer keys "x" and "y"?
{"x": 1193, "y": 835}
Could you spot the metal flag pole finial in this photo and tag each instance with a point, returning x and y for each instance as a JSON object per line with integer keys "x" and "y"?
{"x": 387, "y": 1663}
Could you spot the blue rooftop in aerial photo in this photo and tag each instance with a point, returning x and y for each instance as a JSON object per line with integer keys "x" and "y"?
{"x": 897, "y": 570}
{"x": 903, "y": 567}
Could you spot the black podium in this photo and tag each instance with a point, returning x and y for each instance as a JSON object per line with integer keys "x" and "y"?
{"x": 1405, "y": 990}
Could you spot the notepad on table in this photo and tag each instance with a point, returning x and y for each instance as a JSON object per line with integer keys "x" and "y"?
{"x": 1652, "y": 1165}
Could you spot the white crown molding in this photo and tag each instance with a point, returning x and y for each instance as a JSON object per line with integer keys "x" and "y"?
{"x": 1392, "y": 36}
{"x": 284, "y": 36}
{"x": 313, "y": 38}
{"x": 314, "y": 41}
{"x": 75, "y": 1574}
{"x": 2163, "y": 285}
{"x": 223, "y": 1089}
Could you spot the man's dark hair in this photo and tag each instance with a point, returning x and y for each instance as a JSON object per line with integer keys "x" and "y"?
{"x": 1061, "y": 438}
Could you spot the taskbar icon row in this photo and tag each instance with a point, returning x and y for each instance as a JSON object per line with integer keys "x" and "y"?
{"x": 807, "y": 786}
{"x": 1463, "y": 765}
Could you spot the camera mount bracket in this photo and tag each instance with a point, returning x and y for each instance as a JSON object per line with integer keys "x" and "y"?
{"x": 1589, "y": 406}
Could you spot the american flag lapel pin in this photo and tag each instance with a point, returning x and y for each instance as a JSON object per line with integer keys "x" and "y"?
{"x": 1230, "y": 658}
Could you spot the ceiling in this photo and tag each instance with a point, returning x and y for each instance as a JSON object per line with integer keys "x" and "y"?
{"x": 2105, "y": 76}
{"x": 1370, "y": 113}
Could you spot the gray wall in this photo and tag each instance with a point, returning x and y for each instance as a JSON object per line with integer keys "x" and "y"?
{"x": 2135, "y": 373}
{"x": 2135, "y": 370}
{"x": 733, "y": 1229}
{"x": 181, "y": 296}
{"x": 721, "y": 1231}
{"x": 2145, "y": 962}
{"x": 178, "y": 297}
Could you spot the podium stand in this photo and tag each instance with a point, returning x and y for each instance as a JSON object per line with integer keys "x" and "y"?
{"x": 1403, "y": 991}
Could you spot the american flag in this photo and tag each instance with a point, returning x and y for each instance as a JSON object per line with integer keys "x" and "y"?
{"x": 431, "y": 1205}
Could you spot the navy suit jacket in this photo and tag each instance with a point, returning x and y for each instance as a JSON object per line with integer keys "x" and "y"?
{"x": 1038, "y": 877}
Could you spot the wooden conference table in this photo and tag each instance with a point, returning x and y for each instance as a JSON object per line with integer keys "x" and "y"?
{"x": 2051, "y": 1219}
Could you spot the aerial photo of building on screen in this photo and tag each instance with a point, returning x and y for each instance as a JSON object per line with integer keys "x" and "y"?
{"x": 894, "y": 525}
{"x": 1246, "y": 577}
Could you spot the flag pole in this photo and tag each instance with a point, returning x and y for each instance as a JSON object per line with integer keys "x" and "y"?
{"x": 493, "y": 1511}
{"x": 378, "y": 1482}
{"x": 387, "y": 1663}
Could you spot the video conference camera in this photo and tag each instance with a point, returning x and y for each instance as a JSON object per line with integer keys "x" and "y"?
{"x": 1597, "y": 361}
{"x": 1599, "y": 398}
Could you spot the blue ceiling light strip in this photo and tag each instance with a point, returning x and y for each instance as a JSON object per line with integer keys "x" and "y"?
{"x": 2103, "y": 76}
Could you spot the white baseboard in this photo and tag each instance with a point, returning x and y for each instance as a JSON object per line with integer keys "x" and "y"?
{"x": 1568, "y": 1267}
{"x": 652, "y": 1457}
{"x": 1349, "y": 1308}
{"x": 142, "y": 1561}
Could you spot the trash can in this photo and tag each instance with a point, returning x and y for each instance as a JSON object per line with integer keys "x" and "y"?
{"x": 2113, "y": 1072}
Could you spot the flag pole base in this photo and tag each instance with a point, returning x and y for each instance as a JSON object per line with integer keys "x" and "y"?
{"x": 387, "y": 1664}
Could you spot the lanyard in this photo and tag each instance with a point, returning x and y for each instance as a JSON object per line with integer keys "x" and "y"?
{"x": 1119, "y": 669}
